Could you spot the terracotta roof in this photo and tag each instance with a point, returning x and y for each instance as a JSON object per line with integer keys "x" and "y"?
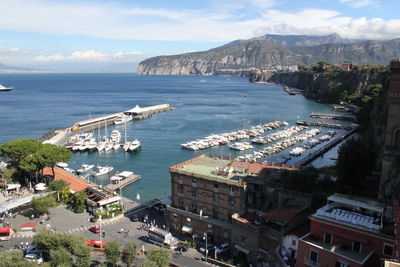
{"x": 283, "y": 214}
{"x": 254, "y": 168}
{"x": 73, "y": 182}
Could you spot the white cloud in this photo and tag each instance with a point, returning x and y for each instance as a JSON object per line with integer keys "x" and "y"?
{"x": 90, "y": 56}
{"x": 13, "y": 51}
{"x": 224, "y": 21}
{"x": 360, "y": 3}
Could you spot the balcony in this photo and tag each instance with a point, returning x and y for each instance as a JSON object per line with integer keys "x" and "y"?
{"x": 311, "y": 263}
{"x": 205, "y": 219}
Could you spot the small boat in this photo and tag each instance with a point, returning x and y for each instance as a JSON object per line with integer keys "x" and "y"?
{"x": 126, "y": 146}
{"x": 135, "y": 146}
{"x": 116, "y": 146}
{"x": 62, "y": 164}
{"x": 101, "y": 146}
{"x": 109, "y": 146}
{"x": 115, "y": 136}
{"x": 122, "y": 119}
{"x": 4, "y": 88}
{"x": 84, "y": 146}
{"x": 85, "y": 168}
{"x": 92, "y": 145}
{"x": 103, "y": 170}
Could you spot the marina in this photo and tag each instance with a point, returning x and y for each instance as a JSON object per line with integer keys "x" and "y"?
{"x": 332, "y": 116}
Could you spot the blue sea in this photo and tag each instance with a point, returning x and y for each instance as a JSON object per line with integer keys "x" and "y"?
{"x": 204, "y": 105}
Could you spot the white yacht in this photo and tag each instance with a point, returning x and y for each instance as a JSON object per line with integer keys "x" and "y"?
{"x": 4, "y": 88}
{"x": 116, "y": 146}
{"x": 109, "y": 146}
{"x": 85, "y": 168}
{"x": 103, "y": 170}
{"x": 92, "y": 145}
{"x": 101, "y": 146}
{"x": 134, "y": 146}
{"x": 123, "y": 119}
{"x": 84, "y": 146}
{"x": 115, "y": 136}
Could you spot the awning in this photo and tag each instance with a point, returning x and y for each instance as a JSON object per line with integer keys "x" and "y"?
{"x": 245, "y": 251}
{"x": 187, "y": 229}
{"x": 13, "y": 186}
{"x": 40, "y": 187}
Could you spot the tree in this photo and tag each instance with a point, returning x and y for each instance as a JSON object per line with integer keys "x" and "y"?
{"x": 159, "y": 256}
{"x": 14, "y": 151}
{"x": 129, "y": 253}
{"x": 60, "y": 257}
{"x": 62, "y": 188}
{"x": 78, "y": 202}
{"x": 356, "y": 159}
{"x": 47, "y": 241}
{"x": 42, "y": 205}
{"x": 14, "y": 258}
{"x": 50, "y": 154}
{"x": 112, "y": 251}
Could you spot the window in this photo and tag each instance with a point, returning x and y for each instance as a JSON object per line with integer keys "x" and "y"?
{"x": 180, "y": 188}
{"x": 341, "y": 264}
{"x": 180, "y": 203}
{"x": 230, "y": 216}
{"x": 194, "y": 192}
{"x": 388, "y": 249}
{"x": 215, "y": 197}
{"x": 231, "y": 201}
{"x": 242, "y": 237}
{"x": 231, "y": 189}
{"x": 194, "y": 181}
{"x": 225, "y": 234}
{"x": 313, "y": 256}
{"x": 356, "y": 246}
{"x": 328, "y": 238}
{"x": 215, "y": 185}
{"x": 194, "y": 207}
{"x": 294, "y": 242}
{"x": 215, "y": 213}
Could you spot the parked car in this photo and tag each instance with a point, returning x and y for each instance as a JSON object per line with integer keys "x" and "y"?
{"x": 95, "y": 229}
{"x": 224, "y": 247}
{"x": 209, "y": 248}
{"x": 181, "y": 249}
{"x": 34, "y": 258}
{"x": 96, "y": 243}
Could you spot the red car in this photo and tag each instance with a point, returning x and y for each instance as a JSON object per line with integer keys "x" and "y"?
{"x": 95, "y": 229}
{"x": 96, "y": 243}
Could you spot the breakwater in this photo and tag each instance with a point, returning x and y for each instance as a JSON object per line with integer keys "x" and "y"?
{"x": 61, "y": 136}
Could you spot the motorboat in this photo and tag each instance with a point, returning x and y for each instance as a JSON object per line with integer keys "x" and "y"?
{"x": 92, "y": 145}
{"x": 85, "y": 168}
{"x": 109, "y": 146}
{"x": 103, "y": 170}
{"x": 126, "y": 145}
{"x": 135, "y": 146}
{"x": 116, "y": 146}
{"x": 122, "y": 119}
{"x": 4, "y": 88}
{"x": 115, "y": 136}
{"x": 62, "y": 164}
{"x": 101, "y": 146}
{"x": 84, "y": 146}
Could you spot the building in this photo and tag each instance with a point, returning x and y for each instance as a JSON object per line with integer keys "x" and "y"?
{"x": 234, "y": 202}
{"x": 348, "y": 231}
{"x": 390, "y": 178}
{"x": 75, "y": 183}
{"x": 206, "y": 192}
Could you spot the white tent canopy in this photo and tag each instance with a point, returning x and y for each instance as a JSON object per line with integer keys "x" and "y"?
{"x": 136, "y": 110}
{"x": 40, "y": 187}
{"x": 13, "y": 186}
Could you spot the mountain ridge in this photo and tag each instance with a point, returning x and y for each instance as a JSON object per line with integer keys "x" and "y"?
{"x": 239, "y": 57}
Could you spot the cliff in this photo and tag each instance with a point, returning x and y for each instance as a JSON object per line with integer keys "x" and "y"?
{"x": 240, "y": 57}
{"x": 328, "y": 87}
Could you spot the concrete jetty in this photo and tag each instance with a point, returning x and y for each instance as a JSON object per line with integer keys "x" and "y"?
{"x": 324, "y": 124}
{"x": 121, "y": 184}
{"x": 311, "y": 156}
{"x": 61, "y": 136}
{"x": 332, "y": 116}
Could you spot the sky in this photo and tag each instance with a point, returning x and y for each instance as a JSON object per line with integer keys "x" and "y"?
{"x": 82, "y": 34}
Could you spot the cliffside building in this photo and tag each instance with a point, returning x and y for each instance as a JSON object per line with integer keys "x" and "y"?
{"x": 348, "y": 231}
{"x": 390, "y": 175}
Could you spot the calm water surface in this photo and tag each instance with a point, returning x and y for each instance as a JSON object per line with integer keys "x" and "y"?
{"x": 204, "y": 105}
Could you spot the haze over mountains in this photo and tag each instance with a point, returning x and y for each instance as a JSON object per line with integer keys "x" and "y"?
{"x": 267, "y": 51}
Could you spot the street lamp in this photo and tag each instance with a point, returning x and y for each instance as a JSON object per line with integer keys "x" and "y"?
{"x": 205, "y": 237}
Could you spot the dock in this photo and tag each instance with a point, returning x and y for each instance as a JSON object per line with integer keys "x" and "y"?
{"x": 60, "y": 137}
{"x": 332, "y": 116}
{"x": 122, "y": 183}
{"x": 324, "y": 124}
{"x": 311, "y": 156}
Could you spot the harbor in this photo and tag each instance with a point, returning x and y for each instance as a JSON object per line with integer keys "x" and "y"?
{"x": 61, "y": 136}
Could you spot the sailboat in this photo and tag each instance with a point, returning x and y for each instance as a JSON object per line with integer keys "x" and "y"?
{"x": 100, "y": 144}
{"x": 109, "y": 144}
{"x": 126, "y": 143}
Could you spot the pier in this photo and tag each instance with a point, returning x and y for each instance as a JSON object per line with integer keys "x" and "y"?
{"x": 332, "y": 116}
{"x": 122, "y": 183}
{"x": 61, "y": 136}
{"x": 311, "y": 156}
{"x": 324, "y": 124}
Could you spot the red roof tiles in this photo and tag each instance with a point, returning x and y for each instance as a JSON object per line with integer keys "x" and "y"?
{"x": 73, "y": 182}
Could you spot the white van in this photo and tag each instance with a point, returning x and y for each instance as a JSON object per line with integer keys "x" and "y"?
{"x": 160, "y": 237}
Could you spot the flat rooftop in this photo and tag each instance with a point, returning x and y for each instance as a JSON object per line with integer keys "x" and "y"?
{"x": 222, "y": 169}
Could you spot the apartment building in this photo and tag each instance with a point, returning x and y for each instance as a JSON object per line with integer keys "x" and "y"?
{"x": 348, "y": 231}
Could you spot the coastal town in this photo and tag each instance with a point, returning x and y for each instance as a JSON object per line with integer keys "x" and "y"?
{"x": 222, "y": 211}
